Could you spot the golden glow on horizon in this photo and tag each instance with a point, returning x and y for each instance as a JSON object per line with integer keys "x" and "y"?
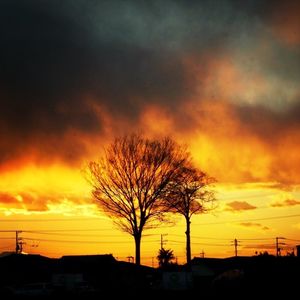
{"x": 236, "y": 107}
{"x": 46, "y": 178}
{"x": 257, "y": 180}
{"x": 57, "y": 197}
{"x": 211, "y": 233}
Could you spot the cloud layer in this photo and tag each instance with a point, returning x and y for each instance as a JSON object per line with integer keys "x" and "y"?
{"x": 221, "y": 77}
{"x": 254, "y": 225}
{"x": 239, "y": 206}
{"x": 285, "y": 203}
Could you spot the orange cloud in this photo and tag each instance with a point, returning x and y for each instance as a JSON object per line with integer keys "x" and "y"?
{"x": 239, "y": 206}
{"x": 35, "y": 188}
{"x": 225, "y": 147}
{"x": 230, "y": 134}
{"x": 286, "y": 22}
{"x": 286, "y": 202}
{"x": 230, "y": 125}
{"x": 39, "y": 200}
{"x": 7, "y": 198}
{"x": 155, "y": 120}
{"x": 251, "y": 224}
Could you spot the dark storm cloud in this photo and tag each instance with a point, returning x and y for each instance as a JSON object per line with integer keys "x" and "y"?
{"x": 54, "y": 55}
{"x": 269, "y": 125}
{"x": 52, "y": 58}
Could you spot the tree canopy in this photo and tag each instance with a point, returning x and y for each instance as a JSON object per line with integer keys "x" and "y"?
{"x": 190, "y": 194}
{"x": 132, "y": 179}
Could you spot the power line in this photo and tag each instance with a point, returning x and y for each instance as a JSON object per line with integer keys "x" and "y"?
{"x": 205, "y": 244}
{"x": 49, "y": 232}
{"x": 224, "y": 239}
{"x": 95, "y": 218}
{"x": 209, "y": 238}
{"x": 53, "y": 220}
{"x": 73, "y": 234}
{"x": 60, "y": 233}
{"x": 179, "y": 242}
{"x": 200, "y": 237}
{"x": 209, "y": 244}
{"x": 87, "y": 242}
{"x": 293, "y": 240}
{"x": 247, "y": 220}
{"x": 59, "y": 230}
{"x": 262, "y": 239}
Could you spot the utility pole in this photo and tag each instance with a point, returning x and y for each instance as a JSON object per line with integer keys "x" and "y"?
{"x": 202, "y": 254}
{"x": 162, "y": 240}
{"x": 278, "y": 249}
{"x": 235, "y": 244}
{"x": 19, "y": 243}
{"x": 130, "y": 259}
{"x": 235, "y": 247}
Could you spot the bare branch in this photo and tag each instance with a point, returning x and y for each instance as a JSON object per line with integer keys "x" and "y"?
{"x": 131, "y": 180}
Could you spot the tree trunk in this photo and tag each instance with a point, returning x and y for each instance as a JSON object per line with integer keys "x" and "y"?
{"x": 137, "y": 239}
{"x": 188, "y": 241}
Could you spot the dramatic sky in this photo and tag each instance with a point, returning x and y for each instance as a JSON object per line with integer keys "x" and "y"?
{"x": 220, "y": 76}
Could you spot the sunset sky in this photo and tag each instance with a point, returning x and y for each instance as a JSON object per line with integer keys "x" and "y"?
{"x": 222, "y": 77}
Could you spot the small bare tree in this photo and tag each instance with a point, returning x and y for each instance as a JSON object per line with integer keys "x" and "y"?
{"x": 130, "y": 181}
{"x": 190, "y": 195}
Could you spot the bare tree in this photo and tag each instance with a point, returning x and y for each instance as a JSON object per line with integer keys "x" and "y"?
{"x": 130, "y": 181}
{"x": 190, "y": 195}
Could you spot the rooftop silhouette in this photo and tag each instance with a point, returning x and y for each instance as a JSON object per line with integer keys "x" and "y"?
{"x": 92, "y": 275}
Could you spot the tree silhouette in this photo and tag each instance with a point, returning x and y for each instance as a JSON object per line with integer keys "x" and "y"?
{"x": 190, "y": 195}
{"x": 165, "y": 257}
{"x": 130, "y": 181}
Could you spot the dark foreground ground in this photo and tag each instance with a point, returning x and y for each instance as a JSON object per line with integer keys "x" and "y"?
{"x": 96, "y": 276}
